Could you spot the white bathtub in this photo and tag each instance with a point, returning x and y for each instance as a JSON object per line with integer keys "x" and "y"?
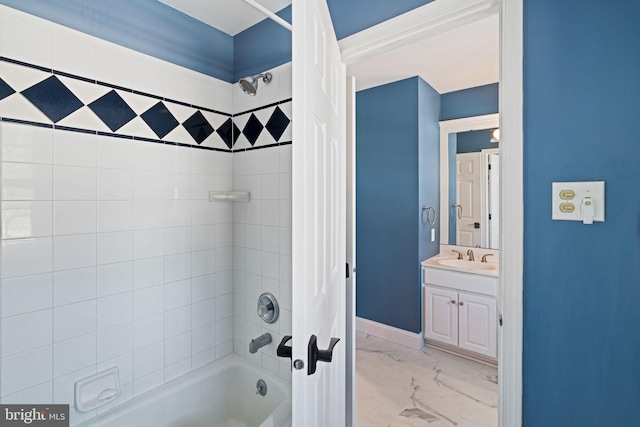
{"x": 222, "y": 394}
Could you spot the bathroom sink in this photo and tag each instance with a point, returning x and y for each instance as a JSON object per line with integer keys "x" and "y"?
{"x": 467, "y": 265}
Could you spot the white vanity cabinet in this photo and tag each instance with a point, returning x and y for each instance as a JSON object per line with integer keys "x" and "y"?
{"x": 460, "y": 312}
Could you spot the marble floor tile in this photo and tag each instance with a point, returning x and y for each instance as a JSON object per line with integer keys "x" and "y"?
{"x": 397, "y": 386}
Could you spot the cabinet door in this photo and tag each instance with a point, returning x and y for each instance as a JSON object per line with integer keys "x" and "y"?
{"x": 441, "y": 315}
{"x": 478, "y": 327}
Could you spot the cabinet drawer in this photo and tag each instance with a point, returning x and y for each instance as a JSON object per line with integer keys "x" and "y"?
{"x": 466, "y": 282}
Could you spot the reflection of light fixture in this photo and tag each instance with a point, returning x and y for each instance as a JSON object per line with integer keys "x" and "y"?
{"x": 495, "y": 135}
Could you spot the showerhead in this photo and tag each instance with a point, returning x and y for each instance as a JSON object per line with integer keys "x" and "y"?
{"x": 249, "y": 85}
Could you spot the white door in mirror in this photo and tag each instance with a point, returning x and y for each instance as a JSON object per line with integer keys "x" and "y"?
{"x": 578, "y": 201}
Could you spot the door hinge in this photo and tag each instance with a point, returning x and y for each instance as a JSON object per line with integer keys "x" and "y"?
{"x": 500, "y": 320}
{"x": 347, "y": 270}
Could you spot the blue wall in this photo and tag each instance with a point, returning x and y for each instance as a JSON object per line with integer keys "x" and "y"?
{"x": 392, "y": 135}
{"x": 476, "y": 101}
{"x": 428, "y": 168}
{"x": 262, "y": 47}
{"x": 351, "y": 16}
{"x": 146, "y": 26}
{"x": 581, "y": 283}
{"x": 153, "y": 28}
{"x": 474, "y": 141}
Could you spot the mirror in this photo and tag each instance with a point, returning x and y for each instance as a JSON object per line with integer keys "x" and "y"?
{"x": 469, "y": 184}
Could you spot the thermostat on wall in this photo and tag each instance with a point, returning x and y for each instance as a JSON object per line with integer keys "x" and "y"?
{"x": 578, "y": 201}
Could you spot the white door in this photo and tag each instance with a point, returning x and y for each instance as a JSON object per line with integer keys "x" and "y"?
{"x": 441, "y": 315}
{"x": 318, "y": 216}
{"x": 469, "y": 193}
{"x": 477, "y": 329}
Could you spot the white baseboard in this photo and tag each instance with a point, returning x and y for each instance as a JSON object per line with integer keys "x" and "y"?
{"x": 389, "y": 333}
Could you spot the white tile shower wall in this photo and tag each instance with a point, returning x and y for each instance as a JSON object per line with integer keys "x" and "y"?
{"x": 262, "y": 251}
{"x": 111, "y": 253}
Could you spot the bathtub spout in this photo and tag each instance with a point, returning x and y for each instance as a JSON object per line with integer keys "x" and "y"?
{"x": 257, "y": 343}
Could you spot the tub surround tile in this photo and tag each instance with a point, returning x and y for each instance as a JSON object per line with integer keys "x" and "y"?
{"x": 39, "y": 393}
{"x": 74, "y": 354}
{"x": 116, "y": 341}
{"x": 25, "y": 370}
{"x": 26, "y": 332}
{"x": 132, "y": 265}
{"x": 12, "y": 292}
{"x": 72, "y": 286}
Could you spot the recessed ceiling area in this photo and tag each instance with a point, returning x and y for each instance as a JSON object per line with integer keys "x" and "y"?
{"x": 462, "y": 58}
{"x": 229, "y": 16}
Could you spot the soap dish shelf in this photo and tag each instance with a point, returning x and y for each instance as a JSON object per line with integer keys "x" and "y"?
{"x": 229, "y": 196}
{"x": 96, "y": 390}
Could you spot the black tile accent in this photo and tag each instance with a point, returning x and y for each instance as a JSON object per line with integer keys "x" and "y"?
{"x": 173, "y": 101}
{"x": 73, "y": 76}
{"x": 25, "y": 64}
{"x": 198, "y": 127}
{"x": 156, "y": 141}
{"x": 160, "y": 120}
{"x": 112, "y": 110}
{"x": 148, "y": 95}
{"x": 115, "y": 135}
{"x": 277, "y": 144}
{"x": 27, "y": 122}
{"x": 53, "y": 98}
{"x": 5, "y": 89}
{"x": 277, "y": 123}
{"x": 264, "y": 107}
{"x": 229, "y": 133}
{"x": 209, "y": 110}
{"x": 77, "y": 130}
{"x": 252, "y": 129}
{"x": 121, "y": 88}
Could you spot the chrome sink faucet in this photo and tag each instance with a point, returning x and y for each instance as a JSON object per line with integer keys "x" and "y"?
{"x": 257, "y": 343}
{"x": 471, "y": 257}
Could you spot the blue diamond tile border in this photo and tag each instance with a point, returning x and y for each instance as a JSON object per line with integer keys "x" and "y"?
{"x": 112, "y": 110}
{"x": 160, "y": 120}
{"x": 252, "y": 129}
{"x": 229, "y": 133}
{"x": 57, "y": 101}
{"x": 5, "y": 90}
{"x": 277, "y": 123}
{"x": 53, "y": 98}
{"x": 198, "y": 127}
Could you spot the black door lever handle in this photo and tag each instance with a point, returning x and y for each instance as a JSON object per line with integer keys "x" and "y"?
{"x": 284, "y": 350}
{"x": 314, "y": 355}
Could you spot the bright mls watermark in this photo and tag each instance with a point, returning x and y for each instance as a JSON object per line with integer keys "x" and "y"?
{"x": 34, "y": 415}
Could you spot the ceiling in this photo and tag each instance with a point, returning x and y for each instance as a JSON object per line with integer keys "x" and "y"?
{"x": 229, "y": 16}
{"x": 465, "y": 57}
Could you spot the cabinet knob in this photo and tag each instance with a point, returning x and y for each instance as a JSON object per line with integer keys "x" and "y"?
{"x": 453, "y": 302}
{"x": 461, "y": 303}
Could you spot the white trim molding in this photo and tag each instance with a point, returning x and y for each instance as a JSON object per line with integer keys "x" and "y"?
{"x": 510, "y": 335}
{"x": 488, "y": 121}
{"x": 433, "y": 18}
{"x": 390, "y": 333}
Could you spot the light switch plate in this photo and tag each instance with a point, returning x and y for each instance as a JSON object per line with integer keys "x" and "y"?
{"x": 567, "y": 200}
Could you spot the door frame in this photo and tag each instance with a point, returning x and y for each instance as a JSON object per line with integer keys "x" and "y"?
{"x": 486, "y": 232}
{"x": 440, "y": 16}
